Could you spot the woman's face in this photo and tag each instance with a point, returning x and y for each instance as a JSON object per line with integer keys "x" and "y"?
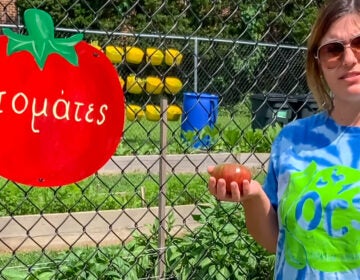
{"x": 342, "y": 75}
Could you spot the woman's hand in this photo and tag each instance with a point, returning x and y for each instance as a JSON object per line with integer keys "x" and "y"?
{"x": 218, "y": 189}
{"x": 260, "y": 216}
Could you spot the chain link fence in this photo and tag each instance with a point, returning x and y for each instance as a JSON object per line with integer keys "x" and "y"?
{"x": 205, "y": 82}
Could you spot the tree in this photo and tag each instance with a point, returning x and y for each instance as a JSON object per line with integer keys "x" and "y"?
{"x": 269, "y": 20}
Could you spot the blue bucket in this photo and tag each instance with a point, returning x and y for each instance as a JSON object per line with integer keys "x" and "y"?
{"x": 199, "y": 110}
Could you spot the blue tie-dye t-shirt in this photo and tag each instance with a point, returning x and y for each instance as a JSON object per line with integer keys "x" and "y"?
{"x": 314, "y": 184}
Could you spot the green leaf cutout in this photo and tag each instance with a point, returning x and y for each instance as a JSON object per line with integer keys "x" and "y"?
{"x": 41, "y": 41}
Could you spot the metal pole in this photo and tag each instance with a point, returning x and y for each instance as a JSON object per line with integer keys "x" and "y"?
{"x": 196, "y": 55}
{"x": 162, "y": 180}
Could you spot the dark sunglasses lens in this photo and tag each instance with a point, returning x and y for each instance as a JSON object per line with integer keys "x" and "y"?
{"x": 330, "y": 54}
{"x": 355, "y": 45}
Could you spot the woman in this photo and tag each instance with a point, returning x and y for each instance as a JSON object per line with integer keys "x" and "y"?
{"x": 308, "y": 210}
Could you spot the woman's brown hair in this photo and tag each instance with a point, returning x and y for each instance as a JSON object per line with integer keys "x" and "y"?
{"x": 328, "y": 14}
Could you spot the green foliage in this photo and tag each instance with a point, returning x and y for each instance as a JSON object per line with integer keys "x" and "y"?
{"x": 232, "y": 69}
{"x": 233, "y": 139}
{"x": 85, "y": 264}
{"x": 219, "y": 248}
{"x": 79, "y": 14}
{"x": 231, "y": 133}
{"x": 216, "y": 139}
{"x": 249, "y": 20}
{"x": 292, "y": 21}
{"x": 258, "y": 140}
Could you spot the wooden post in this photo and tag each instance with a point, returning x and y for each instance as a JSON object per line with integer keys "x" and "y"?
{"x": 162, "y": 181}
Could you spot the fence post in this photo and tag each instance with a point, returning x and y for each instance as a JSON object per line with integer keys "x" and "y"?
{"x": 162, "y": 180}
{"x": 196, "y": 55}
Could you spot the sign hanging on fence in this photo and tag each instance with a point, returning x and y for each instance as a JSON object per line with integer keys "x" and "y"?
{"x": 61, "y": 105}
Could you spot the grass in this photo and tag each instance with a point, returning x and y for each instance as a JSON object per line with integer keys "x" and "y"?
{"x": 21, "y": 262}
{"x": 18, "y": 266}
{"x": 101, "y": 193}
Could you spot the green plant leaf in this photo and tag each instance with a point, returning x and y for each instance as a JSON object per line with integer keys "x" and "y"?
{"x": 173, "y": 254}
{"x": 212, "y": 270}
{"x": 232, "y": 136}
{"x": 224, "y": 274}
{"x": 205, "y": 262}
{"x": 14, "y": 274}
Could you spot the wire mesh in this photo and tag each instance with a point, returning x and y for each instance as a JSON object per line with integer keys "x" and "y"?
{"x": 147, "y": 213}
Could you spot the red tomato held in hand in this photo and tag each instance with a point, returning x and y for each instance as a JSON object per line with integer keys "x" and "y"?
{"x": 231, "y": 172}
{"x": 61, "y": 106}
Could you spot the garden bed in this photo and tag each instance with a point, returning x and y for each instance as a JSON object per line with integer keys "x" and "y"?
{"x": 93, "y": 228}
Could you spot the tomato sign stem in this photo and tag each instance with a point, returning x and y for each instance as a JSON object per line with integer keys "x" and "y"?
{"x": 41, "y": 42}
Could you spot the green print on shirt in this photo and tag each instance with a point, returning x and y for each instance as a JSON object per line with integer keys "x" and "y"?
{"x": 320, "y": 212}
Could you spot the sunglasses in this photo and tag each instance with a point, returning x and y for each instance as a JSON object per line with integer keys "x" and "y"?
{"x": 331, "y": 54}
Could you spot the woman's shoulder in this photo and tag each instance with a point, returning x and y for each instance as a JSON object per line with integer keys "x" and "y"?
{"x": 307, "y": 129}
{"x": 307, "y": 124}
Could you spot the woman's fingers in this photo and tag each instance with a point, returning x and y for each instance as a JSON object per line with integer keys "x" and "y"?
{"x": 221, "y": 189}
{"x": 210, "y": 169}
{"x": 235, "y": 191}
{"x": 217, "y": 188}
{"x": 212, "y": 186}
{"x": 236, "y": 194}
{"x": 246, "y": 188}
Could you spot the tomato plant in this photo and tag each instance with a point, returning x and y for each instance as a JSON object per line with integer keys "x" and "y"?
{"x": 61, "y": 105}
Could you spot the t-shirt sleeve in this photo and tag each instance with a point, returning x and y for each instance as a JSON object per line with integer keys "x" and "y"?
{"x": 270, "y": 185}
{"x": 271, "y": 181}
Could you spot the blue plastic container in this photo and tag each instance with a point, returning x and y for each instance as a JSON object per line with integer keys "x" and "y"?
{"x": 199, "y": 110}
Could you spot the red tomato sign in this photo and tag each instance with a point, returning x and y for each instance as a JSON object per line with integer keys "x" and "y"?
{"x": 61, "y": 106}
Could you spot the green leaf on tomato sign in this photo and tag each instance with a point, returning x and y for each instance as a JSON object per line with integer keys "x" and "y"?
{"x": 41, "y": 41}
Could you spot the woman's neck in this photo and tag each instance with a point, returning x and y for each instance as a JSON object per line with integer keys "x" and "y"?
{"x": 348, "y": 115}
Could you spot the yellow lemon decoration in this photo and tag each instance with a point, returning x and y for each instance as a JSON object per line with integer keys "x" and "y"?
{"x": 114, "y": 53}
{"x": 134, "y": 112}
{"x": 96, "y": 45}
{"x": 134, "y": 84}
{"x": 122, "y": 82}
{"x": 134, "y": 55}
{"x": 155, "y": 56}
{"x": 154, "y": 85}
{"x": 173, "y": 113}
{"x": 173, "y": 56}
{"x": 173, "y": 85}
{"x": 152, "y": 112}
